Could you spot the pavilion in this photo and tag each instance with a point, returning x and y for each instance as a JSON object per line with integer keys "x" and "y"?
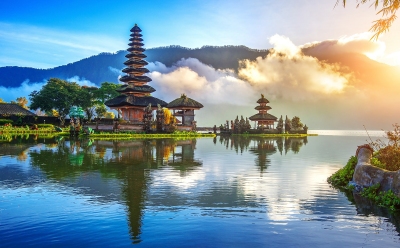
{"x": 184, "y": 108}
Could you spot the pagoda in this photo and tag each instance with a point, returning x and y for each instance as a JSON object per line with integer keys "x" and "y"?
{"x": 135, "y": 93}
{"x": 263, "y": 119}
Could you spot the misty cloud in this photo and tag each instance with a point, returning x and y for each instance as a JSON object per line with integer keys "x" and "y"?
{"x": 286, "y": 73}
{"x": 200, "y": 82}
{"x": 12, "y": 93}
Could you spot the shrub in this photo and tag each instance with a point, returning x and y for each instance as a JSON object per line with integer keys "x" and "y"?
{"x": 45, "y": 125}
{"x": 389, "y": 154}
{"x": 342, "y": 177}
{"x": 384, "y": 199}
{"x": 5, "y": 121}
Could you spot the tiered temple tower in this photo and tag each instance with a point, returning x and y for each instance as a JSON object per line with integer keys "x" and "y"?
{"x": 264, "y": 120}
{"x": 135, "y": 93}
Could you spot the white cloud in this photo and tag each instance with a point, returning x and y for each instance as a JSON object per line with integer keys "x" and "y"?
{"x": 286, "y": 73}
{"x": 200, "y": 82}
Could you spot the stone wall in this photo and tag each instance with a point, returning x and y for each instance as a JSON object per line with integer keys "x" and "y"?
{"x": 366, "y": 175}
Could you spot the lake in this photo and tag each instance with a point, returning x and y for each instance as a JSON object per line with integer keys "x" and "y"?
{"x": 207, "y": 192}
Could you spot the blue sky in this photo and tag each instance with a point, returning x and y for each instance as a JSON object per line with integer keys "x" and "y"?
{"x": 44, "y": 34}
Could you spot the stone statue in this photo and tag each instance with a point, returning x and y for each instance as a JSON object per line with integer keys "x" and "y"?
{"x": 147, "y": 118}
{"x": 160, "y": 118}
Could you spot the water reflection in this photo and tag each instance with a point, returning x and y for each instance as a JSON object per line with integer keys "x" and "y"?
{"x": 262, "y": 147}
{"x": 263, "y": 181}
{"x": 68, "y": 161}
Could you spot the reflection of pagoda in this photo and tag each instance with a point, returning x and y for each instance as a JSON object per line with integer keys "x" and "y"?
{"x": 263, "y": 119}
{"x": 135, "y": 93}
{"x": 263, "y": 149}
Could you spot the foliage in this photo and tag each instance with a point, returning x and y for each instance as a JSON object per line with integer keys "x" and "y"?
{"x": 109, "y": 115}
{"x": 56, "y": 94}
{"x": 101, "y": 110}
{"x": 388, "y": 11}
{"x": 106, "y": 92}
{"x": 22, "y": 101}
{"x": 45, "y": 125}
{"x": 89, "y": 97}
{"x": 375, "y": 162}
{"x": 2, "y": 101}
{"x": 5, "y": 121}
{"x": 384, "y": 199}
{"x": 342, "y": 177}
{"x": 296, "y": 123}
{"x": 168, "y": 117}
{"x": 389, "y": 154}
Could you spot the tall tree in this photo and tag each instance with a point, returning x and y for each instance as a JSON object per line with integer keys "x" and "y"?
{"x": 56, "y": 94}
{"x": 386, "y": 8}
{"x": 89, "y": 96}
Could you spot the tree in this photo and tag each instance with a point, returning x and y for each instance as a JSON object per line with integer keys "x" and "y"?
{"x": 101, "y": 110}
{"x": 89, "y": 96}
{"x": 387, "y": 8}
{"x": 22, "y": 101}
{"x": 296, "y": 123}
{"x": 57, "y": 94}
{"x": 107, "y": 91}
{"x": 2, "y": 101}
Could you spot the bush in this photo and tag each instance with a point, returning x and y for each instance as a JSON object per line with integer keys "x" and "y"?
{"x": 389, "y": 154}
{"x": 45, "y": 125}
{"x": 342, "y": 177}
{"x": 384, "y": 199}
{"x": 5, "y": 121}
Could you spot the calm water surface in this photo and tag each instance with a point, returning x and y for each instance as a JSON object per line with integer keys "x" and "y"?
{"x": 223, "y": 192}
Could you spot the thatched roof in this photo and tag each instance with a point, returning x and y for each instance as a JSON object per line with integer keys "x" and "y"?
{"x": 135, "y": 70}
{"x": 143, "y": 79}
{"x": 136, "y": 49}
{"x": 263, "y": 117}
{"x": 135, "y": 44}
{"x": 144, "y": 88}
{"x": 14, "y": 109}
{"x": 262, "y": 99}
{"x": 136, "y": 55}
{"x": 184, "y": 102}
{"x": 136, "y": 62}
{"x": 136, "y": 35}
{"x": 130, "y": 100}
{"x": 262, "y": 108}
{"x": 136, "y": 39}
{"x": 136, "y": 28}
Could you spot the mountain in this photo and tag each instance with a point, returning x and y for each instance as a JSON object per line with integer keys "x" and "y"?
{"x": 101, "y": 68}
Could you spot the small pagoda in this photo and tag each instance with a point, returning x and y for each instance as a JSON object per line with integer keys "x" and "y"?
{"x": 135, "y": 93}
{"x": 263, "y": 119}
{"x": 184, "y": 108}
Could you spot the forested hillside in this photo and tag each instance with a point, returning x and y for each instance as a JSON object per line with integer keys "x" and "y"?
{"x": 99, "y": 68}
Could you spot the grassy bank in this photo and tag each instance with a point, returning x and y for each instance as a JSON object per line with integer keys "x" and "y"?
{"x": 291, "y": 135}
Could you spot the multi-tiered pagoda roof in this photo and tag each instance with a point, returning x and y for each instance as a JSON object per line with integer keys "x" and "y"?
{"x": 135, "y": 92}
{"x": 263, "y": 117}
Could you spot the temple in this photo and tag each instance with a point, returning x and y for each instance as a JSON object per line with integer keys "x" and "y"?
{"x": 263, "y": 119}
{"x": 184, "y": 108}
{"x": 135, "y": 93}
